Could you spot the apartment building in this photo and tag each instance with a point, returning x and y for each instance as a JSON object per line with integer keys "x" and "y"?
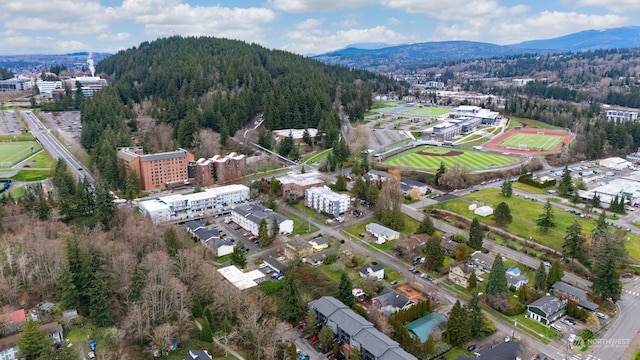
{"x": 353, "y": 331}
{"x": 296, "y": 184}
{"x": 216, "y": 200}
{"x": 217, "y": 169}
{"x": 621, "y": 115}
{"x": 249, "y": 218}
{"x": 157, "y": 171}
{"x": 324, "y": 200}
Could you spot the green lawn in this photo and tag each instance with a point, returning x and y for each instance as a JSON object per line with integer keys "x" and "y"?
{"x": 309, "y": 212}
{"x": 468, "y": 145}
{"x": 472, "y": 159}
{"x": 316, "y": 156}
{"x": 528, "y": 188}
{"x": 17, "y": 192}
{"x": 22, "y": 137}
{"x": 525, "y": 217}
{"x": 531, "y": 123}
{"x": 455, "y": 352}
{"x": 538, "y": 327}
{"x": 12, "y": 153}
{"x": 42, "y": 160}
{"x": 410, "y": 226}
{"x": 300, "y": 226}
{"x": 31, "y": 175}
{"x": 532, "y": 141}
{"x": 429, "y": 111}
{"x": 383, "y": 104}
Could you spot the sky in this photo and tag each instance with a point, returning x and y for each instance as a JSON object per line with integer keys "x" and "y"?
{"x": 301, "y": 26}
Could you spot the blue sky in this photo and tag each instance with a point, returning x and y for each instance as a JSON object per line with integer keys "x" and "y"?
{"x": 300, "y": 26}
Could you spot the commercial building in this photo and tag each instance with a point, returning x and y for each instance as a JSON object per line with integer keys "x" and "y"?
{"x": 157, "y": 171}
{"x": 621, "y": 115}
{"x": 324, "y": 200}
{"x": 567, "y": 292}
{"x": 296, "y": 134}
{"x": 218, "y": 199}
{"x": 249, "y": 218}
{"x": 295, "y": 184}
{"x": 353, "y": 331}
{"x": 217, "y": 169}
{"x": 16, "y": 85}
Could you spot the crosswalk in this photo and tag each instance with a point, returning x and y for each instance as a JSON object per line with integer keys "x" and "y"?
{"x": 631, "y": 293}
{"x": 578, "y": 357}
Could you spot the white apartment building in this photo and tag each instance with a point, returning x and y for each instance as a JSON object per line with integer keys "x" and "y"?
{"x": 167, "y": 208}
{"x": 324, "y": 200}
{"x": 249, "y": 218}
{"x": 621, "y": 115}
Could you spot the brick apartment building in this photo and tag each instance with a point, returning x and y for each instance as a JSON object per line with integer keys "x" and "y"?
{"x": 217, "y": 170}
{"x": 157, "y": 171}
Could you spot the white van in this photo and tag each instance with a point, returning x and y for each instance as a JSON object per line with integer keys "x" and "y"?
{"x": 556, "y": 327}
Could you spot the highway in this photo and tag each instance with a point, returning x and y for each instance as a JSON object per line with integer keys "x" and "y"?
{"x": 53, "y": 146}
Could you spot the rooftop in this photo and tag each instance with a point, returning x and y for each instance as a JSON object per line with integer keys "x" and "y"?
{"x": 256, "y": 213}
{"x": 379, "y": 229}
{"x": 328, "y": 194}
{"x": 548, "y": 304}
{"x": 568, "y": 289}
{"x": 424, "y": 326}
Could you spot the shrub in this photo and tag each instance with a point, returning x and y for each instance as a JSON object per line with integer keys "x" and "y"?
{"x": 270, "y": 287}
{"x": 330, "y": 259}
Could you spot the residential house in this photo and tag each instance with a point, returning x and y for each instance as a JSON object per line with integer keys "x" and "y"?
{"x": 374, "y": 270}
{"x": 509, "y": 350}
{"x": 297, "y": 249}
{"x": 382, "y": 233}
{"x": 249, "y": 218}
{"x": 449, "y": 246}
{"x": 377, "y": 175}
{"x": 460, "y": 274}
{"x": 409, "y": 184}
{"x": 318, "y": 257}
{"x": 515, "y": 278}
{"x": 424, "y": 326}
{"x": 319, "y": 244}
{"x": 220, "y": 247}
{"x": 9, "y": 344}
{"x": 546, "y": 310}
{"x": 198, "y": 355}
{"x": 210, "y": 238}
{"x": 565, "y": 291}
{"x": 12, "y": 321}
{"x": 482, "y": 261}
{"x": 353, "y": 331}
{"x": 414, "y": 244}
{"x": 390, "y": 301}
{"x": 47, "y": 307}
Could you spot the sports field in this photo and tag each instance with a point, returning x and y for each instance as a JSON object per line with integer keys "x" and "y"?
{"x": 13, "y": 152}
{"x": 532, "y": 141}
{"x": 429, "y": 157}
{"x": 429, "y": 111}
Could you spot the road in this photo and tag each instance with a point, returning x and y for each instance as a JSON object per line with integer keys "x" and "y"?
{"x": 624, "y": 327}
{"x": 54, "y": 148}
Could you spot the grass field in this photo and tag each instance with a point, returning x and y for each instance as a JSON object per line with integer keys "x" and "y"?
{"x": 532, "y": 141}
{"x": 525, "y": 214}
{"x": 474, "y": 160}
{"x": 429, "y": 111}
{"x": 16, "y": 151}
{"x": 31, "y": 175}
{"x": 42, "y": 160}
{"x": 383, "y": 104}
{"x": 516, "y": 121}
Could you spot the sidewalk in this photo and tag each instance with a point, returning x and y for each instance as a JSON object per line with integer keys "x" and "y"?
{"x": 632, "y": 348}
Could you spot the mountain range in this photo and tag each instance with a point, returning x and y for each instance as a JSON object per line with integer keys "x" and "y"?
{"x": 377, "y": 58}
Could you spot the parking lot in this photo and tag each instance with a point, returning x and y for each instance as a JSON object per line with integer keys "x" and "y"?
{"x": 9, "y": 124}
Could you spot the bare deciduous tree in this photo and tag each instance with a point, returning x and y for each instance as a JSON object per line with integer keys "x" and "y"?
{"x": 206, "y": 143}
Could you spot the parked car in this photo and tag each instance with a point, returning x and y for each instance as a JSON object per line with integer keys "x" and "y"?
{"x": 394, "y": 282}
{"x": 566, "y": 322}
{"x": 471, "y": 347}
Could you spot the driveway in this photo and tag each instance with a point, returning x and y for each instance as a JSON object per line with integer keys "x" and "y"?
{"x": 295, "y": 336}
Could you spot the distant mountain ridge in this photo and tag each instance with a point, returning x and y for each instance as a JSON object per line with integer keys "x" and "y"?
{"x": 37, "y": 62}
{"x": 408, "y": 55}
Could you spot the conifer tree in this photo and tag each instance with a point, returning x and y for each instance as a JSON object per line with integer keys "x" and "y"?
{"x": 292, "y": 306}
{"x": 434, "y": 254}
{"x": 475, "y": 234}
{"x": 426, "y": 226}
{"x": 475, "y": 314}
{"x": 506, "y": 189}
{"x": 546, "y": 220}
{"x": 502, "y": 214}
{"x": 32, "y": 342}
{"x": 540, "y": 282}
{"x": 573, "y": 246}
{"x": 555, "y": 273}
{"x": 345, "y": 289}
{"x": 497, "y": 283}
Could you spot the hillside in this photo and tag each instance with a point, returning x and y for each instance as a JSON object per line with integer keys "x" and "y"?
{"x": 421, "y": 54}
{"x": 214, "y": 83}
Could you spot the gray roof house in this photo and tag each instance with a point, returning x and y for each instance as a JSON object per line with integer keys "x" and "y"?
{"x": 504, "y": 351}
{"x": 194, "y": 225}
{"x": 391, "y": 301}
{"x": 374, "y": 270}
{"x": 566, "y": 291}
{"x": 355, "y": 331}
{"x": 482, "y": 261}
{"x": 383, "y": 233}
{"x": 515, "y": 278}
{"x": 546, "y": 310}
{"x": 250, "y": 216}
{"x": 197, "y": 355}
{"x": 408, "y": 184}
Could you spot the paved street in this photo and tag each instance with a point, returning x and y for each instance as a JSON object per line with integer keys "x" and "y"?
{"x": 53, "y": 146}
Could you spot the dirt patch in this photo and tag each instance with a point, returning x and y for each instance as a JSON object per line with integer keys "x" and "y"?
{"x": 450, "y": 153}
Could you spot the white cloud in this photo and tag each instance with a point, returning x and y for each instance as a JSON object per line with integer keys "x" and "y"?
{"x": 393, "y": 21}
{"x": 13, "y": 43}
{"x": 544, "y": 25}
{"x": 308, "y": 24}
{"x": 303, "y": 6}
{"x": 349, "y": 21}
{"x": 109, "y": 37}
{"x": 320, "y": 41}
{"x": 613, "y": 5}
{"x": 455, "y": 9}
{"x": 235, "y": 23}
